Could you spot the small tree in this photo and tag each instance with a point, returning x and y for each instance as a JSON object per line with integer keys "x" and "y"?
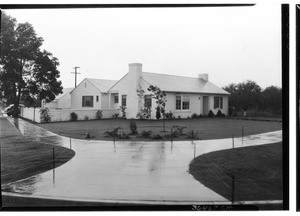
{"x": 158, "y": 113}
{"x": 133, "y": 128}
{"x": 123, "y": 111}
{"x": 160, "y": 97}
{"x": 45, "y": 116}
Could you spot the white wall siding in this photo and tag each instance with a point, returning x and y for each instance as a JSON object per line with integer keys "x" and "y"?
{"x": 64, "y": 114}
{"x": 85, "y": 88}
{"x": 31, "y": 113}
{"x": 64, "y": 102}
{"x": 211, "y": 104}
{"x": 127, "y": 86}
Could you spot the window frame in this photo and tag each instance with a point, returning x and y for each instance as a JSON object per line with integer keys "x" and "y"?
{"x": 116, "y": 99}
{"x": 147, "y": 101}
{"x": 84, "y": 100}
{"x": 183, "y": 102}
{"x": 124, "y": 98}
{"x": 218, "y": 102}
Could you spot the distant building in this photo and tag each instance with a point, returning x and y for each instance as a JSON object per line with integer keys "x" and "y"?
{"x": 61, "y": 101}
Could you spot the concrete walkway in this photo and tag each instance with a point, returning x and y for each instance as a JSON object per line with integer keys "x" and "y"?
{"x": 141, "y": 172}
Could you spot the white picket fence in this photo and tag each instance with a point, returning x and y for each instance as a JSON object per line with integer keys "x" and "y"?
{"x": 57, "y": 115}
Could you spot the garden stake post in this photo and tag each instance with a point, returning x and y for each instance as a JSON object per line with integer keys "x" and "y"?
{"x": 194, "y": 148}
{"x": 232, "y": 189}
{"x": 53, "y": 159}
{"x": 70, "y": 143}
{"x": 242, "y": 134}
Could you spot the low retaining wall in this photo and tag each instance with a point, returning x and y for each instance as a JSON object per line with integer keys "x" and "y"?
{"x": 57, "y": 114}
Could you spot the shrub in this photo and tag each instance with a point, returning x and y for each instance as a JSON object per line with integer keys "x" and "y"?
{"x": 113, "y": 133}
{"x": 169, "y": 115}
{"x": 194, "y": 115}
{"x": 146, "y": 134}
{"x": 73, "y": 116}
{"x": 88, "y": 136}
{"x": 144, "y": 113}
{"x": 158, "y": 113}
{"x": 192, "y": 134}
{"x": 219, "y": 113}
{"x": 45, "y": 116}
{"x": 210, "y": 114}
{"x": 173, "y": 134}
{"x": 133, "y": 128}
{"x": 115, "y": 115}
{"x": 99, "y": 114}
{"x": 123, "y": 111}
{"x": 123, "y": 136}
{"x": 156, "y": 137}
{"x": 86, "y": 117}
{"x": 178, "y": 129}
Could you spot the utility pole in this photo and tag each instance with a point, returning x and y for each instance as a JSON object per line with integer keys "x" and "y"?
{"x": 75, "y": 75}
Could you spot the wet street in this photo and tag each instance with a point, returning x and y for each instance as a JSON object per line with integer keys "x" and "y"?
{"x": 125, "y": 171}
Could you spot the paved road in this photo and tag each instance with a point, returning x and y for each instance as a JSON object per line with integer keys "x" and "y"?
{"x": 127, "y": 171}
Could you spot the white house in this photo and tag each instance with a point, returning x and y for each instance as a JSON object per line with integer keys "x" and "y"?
{"x": 185, "y": 95}
{"x": 91, "y": 94}
{"x": 62, "y": 100}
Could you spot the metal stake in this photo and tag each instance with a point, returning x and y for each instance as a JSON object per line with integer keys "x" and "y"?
{"x": 232, "y": 189}
{"x": 70, "y": 143}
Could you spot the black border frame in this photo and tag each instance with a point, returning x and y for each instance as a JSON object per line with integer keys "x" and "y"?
{"x": 297, "y": 106}
{"x": 77, "y": 206}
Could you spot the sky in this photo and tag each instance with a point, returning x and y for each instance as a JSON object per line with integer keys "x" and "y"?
{"x": 231, "y": 44}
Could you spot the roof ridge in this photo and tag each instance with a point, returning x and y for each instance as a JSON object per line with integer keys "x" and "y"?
{"x": 172, "y": 75}
{"x": 100, "y": 79}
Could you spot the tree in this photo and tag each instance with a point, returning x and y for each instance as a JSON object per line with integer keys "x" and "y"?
{"x": 272, "y": 99}
{"x": 25, "y": 71}
{"x": 160, "y": 97}
{"x": 245, "y": 95}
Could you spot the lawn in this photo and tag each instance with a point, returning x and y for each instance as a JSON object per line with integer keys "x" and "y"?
{"x": 257, "y": 172}
{"x": 22, "y": 158}
{"x": 206, "y": 128}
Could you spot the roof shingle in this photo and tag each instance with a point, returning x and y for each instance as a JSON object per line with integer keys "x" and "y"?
{"x": 171, "y": 83}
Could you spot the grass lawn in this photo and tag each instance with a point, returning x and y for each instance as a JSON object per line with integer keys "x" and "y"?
{"x": 257, "y": 171}
{"x": 206, "y": 128}
{"x": 21, "y": 158}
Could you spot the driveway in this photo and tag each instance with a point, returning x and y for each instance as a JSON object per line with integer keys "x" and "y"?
{"x": 141, "y": 172}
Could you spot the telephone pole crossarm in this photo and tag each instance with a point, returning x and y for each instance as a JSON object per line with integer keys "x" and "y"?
{"x": 76, "y": 67}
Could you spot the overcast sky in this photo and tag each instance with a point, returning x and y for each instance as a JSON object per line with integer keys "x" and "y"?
{"x": 231, "y": 44}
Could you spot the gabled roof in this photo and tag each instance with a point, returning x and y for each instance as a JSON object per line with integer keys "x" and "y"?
{"x": 65, "y": 92}
{"x": 171, "y": 83}
{"x": 102, "y": 84}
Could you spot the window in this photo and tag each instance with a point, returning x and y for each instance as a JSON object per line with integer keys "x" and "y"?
{"x": 97, "y": 98}
{"x": 218, "y": 102}
{"x": 148, "y": 101}
{"x": 185, "y": 102}
{"x": 178, "y": 102}
{"x": 182, "y": 102}
{"x": 116, "y": 98}
{"x": 87, "y": 101}
{"x": 124, "y": 97}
